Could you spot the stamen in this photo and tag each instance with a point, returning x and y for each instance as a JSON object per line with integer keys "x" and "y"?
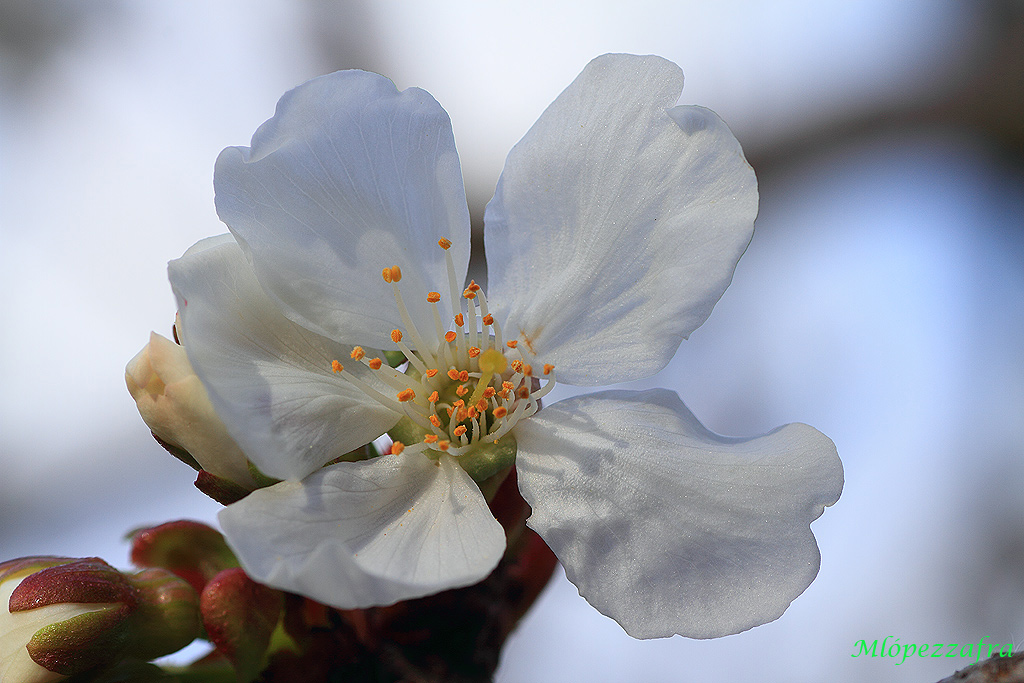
{"x": 375, "y": 363}
{"x": 433, "y": 397}
{"x": 397, "y": 448}
{"x": 396, "y": 336}
{"x": 528, "y": 370}
{"x": 517, "y": 366}
{"x": 433, "y": 371}
{"x": 453, "y": 375}
{"x": 500, "y": 412}
{"x": 386, "y": 274}
{"x": 462, "y": 390}
{"x": 548, "y": 367}
{"x": 489, "y": 392}
{"x": 336, "y": 366}
{"x": 459, "y": 320}
{"x": 512, "y": 343}
{"x": 445, "y": 244}
{"x": 430, "y": 438}
{"x": 433, "y": 297}
{"x": 488, "y": 320}
{"x": 357, "y": 353}
{"x": 459, "y": 431}
{"x": 396, "y": 274}
{"x": 469, "y": 293}
{"x": 474, "y": 351}
{"x": 450, "y": 336}
{"x": 406, "y": 395}
{"x": 443, "y": 445}
{"x": 435, "y": 420}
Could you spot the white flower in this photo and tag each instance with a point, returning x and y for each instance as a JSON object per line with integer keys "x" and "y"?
{"x": 615, "y": 227}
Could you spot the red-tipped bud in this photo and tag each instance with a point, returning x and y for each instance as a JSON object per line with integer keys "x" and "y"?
{"x": 63, "y": 616}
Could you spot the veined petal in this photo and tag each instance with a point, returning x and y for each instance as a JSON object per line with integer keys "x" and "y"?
{"x": 617, "y": 223}
{"x": 269, "y": 379}
{"x": 669, "y": 528}
{"x": 349, "y": 177}
{"x": 373, "y": 532}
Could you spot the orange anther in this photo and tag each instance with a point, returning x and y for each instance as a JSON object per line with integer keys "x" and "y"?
{"x": 433, "y": 297}
{"x": 489, "y": 392}
{"x": 473, "y": 352}
{"x": 481, "y": 405}
{"x": 488, "y": 319}
{"x": 435, "y": 420}
{"x": 431, "y": 372}
{"x": 453, "y": 375}
{"x": 512, "y": 343}
{"x": 459, "y": 320}
{"x": 473, "y": 286}
{"x": 548, "y": 367}
{"x": 396, "y": 336}
{"x": 462, "y": 390}
{"x": 433, "y": 397}
{"x": 464, "y": 375}
{"x": 396, "y": 274}
{"x": 461, "y": 415}
{"x": 336, "y": 366}
{"x": 504, "y": 393}
{"x": 450, "y": 411}
{"x": 523, "y": 392}
{"x": 375, "y": 363}
{"x": 500, "y": 412}
{"x": 444, "y": 243}
{"x": 517, "y": 365}
{"x": 430, "y": 438}
{"x": 458, "y": 404}
{"x": 386, "y": 274}
{"x": 406, "y": 395}
{"x": 469, "y": 293}
{"x": 443, "y": 445}
{"x": 449, "y": 336}
{"x": 470, "y": 413}
{"x": 357, "y": 353}
{"x": 397, "y": 448}
{"x": 460, "y": 430}
{"x": 528, "y": 370}
{"x": 507, "y": 386}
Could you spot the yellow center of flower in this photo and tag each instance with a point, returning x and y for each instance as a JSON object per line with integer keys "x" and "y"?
{"x": 463, "y": 387}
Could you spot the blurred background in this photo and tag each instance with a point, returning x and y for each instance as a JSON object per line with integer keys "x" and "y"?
{"x": 881, "y": 300}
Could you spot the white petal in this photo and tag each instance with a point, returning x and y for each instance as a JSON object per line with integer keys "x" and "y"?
{"x": 350, "y": 176}
{"x": 617, "y": 223}
{"x": 269, "y": 379}
{"x": 368, "y": 533}
{"x": 666, "y": 527}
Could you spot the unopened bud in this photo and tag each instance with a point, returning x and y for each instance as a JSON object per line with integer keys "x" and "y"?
{"x": 63, "y": 616}
{"x": 175, "y": 405}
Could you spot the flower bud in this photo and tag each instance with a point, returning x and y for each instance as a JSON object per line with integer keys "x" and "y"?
{"x": 63, "y": 616}
{"x": 175, "y": 405}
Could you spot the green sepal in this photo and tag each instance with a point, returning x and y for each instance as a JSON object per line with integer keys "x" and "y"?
{"x": 82, "y": 642}
{"x": 262, "y": 480}
{"x": 166, "y": 617}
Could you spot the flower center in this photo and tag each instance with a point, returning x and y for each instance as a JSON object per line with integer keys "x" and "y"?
{"x": 464, "y": 388}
